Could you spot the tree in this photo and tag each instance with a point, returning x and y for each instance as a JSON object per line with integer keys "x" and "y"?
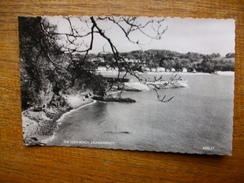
{"x": 230, "y": 55}
{"x": 81, "y": 36}
{"x": 41, "y": 57}
{"x": 31, "y": 37}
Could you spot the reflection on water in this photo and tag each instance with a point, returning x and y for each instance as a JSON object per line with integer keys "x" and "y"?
{"x": 198, "y": 117}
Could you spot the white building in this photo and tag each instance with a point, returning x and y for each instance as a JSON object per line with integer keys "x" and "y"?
{"x": 161, "y": 69}
{"x": 100, "y": 69}
{"x": 184, "y": 69}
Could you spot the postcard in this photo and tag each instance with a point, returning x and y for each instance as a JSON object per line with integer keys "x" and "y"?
{"x": 134, "y": 83}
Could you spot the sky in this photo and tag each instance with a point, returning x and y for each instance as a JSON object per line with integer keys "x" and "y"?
{"x": 204, "y": 36}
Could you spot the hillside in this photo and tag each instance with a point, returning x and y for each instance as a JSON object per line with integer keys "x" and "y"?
{"x": 154, "y": 59}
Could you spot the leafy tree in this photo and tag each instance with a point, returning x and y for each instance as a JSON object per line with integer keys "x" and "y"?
{"x": 41, "y": 62}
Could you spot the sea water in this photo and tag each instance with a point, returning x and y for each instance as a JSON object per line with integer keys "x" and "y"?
{"x": 199, "y": 119}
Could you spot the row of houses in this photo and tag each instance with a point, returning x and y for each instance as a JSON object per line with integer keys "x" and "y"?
{"x": 162, "y": 69}
{"x": 158, "y": 69}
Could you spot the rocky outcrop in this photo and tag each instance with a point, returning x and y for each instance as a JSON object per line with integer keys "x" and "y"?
{"x": 40, "y": 122}
{"x": 135, "y": 86}
{"x": 114, "y": 99}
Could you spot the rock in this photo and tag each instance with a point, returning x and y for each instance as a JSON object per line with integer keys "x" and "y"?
{"x": 135, "y": 86}
{"x": 113, "y": 99}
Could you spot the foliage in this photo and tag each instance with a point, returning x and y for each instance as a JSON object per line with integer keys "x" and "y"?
{"x": 82, "y": 42}
{"x": 41, "y": 62}
{"x": 153, "y": 59}
{"x": 53, "y": 62}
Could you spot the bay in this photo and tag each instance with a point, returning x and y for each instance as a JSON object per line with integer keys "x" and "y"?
{"x": 199, "y": 119}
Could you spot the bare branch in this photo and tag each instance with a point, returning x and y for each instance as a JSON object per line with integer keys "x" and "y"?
{"x": 76, "y": 43}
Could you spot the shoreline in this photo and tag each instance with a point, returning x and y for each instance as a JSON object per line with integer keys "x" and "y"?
{"x": 34, "y": 122}
{"x": 217, "y": 73}
{"x": 73, "y": 110}
{"x": 62, "y": 117}
{"x": 221, "y": 73}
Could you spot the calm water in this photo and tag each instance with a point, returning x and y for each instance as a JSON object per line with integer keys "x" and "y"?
{"x": 197, "y": 120}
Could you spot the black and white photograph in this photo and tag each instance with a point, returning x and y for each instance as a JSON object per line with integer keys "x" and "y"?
{"x": 156, "y": 84}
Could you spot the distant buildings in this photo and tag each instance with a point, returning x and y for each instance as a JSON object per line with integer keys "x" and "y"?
{"x": 184, "y": 69}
